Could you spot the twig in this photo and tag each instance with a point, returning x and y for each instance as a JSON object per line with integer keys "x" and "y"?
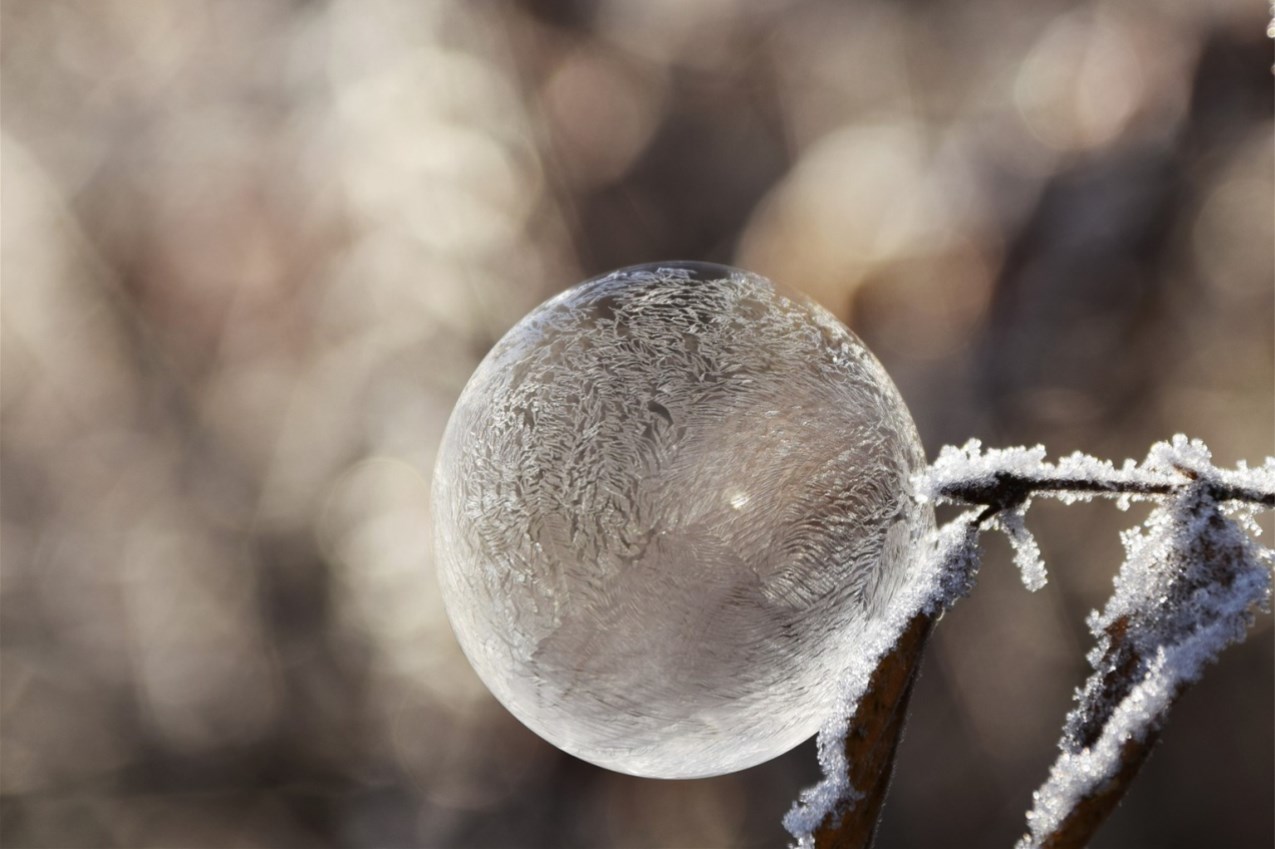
{"x": 1007, "y": 490}
{"x": 1077, "y": 828}
{"x": 870, "y": 745}
{"x": 857, "y": 749}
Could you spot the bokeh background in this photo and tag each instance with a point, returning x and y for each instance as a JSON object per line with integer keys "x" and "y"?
{"x": 252, "y": 251}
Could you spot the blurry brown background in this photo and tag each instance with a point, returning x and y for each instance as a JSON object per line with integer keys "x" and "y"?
{"x": 252, "y": 250}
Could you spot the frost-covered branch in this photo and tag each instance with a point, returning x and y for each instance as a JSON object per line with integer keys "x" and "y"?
{"x": 1190, "y": 586}
{"x": 1007, "y": 478}
{"x": 857, "y": 744}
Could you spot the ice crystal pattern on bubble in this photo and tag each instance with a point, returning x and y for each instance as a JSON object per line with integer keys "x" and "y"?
{"x": 669, "y": 503}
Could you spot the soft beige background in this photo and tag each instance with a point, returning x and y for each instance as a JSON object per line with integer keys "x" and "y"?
{"x": 252, "y": 250}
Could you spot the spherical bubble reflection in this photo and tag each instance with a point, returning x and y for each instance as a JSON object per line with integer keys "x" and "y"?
{"x": 667, "y": 505}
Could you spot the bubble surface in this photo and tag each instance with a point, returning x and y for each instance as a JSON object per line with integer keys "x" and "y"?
{"x": 666, "y": 504}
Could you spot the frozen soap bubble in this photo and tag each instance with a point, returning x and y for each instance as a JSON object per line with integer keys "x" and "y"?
{"x": 667, "y": 505}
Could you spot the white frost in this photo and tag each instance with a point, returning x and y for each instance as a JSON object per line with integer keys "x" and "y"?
{"x": 970, "y": 464}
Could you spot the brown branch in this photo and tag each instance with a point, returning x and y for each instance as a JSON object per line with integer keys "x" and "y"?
{"x": 873, "y": 739}
{"x": 1079, "y": 826}
{"x": 1129, "y": 641}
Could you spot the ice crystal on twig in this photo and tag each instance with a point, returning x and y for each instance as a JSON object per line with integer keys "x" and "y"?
{"x": 1026, "y": 551}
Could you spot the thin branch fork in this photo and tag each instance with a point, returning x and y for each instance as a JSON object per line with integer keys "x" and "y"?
{"x": 1130, "y": 642}
{"x": 877, "y": 720}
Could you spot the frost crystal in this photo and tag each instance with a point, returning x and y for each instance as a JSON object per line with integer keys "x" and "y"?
{"x": 1026, "y": 551}
{"x": 970, "y": 465}
{"x": 672, "y": 505}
